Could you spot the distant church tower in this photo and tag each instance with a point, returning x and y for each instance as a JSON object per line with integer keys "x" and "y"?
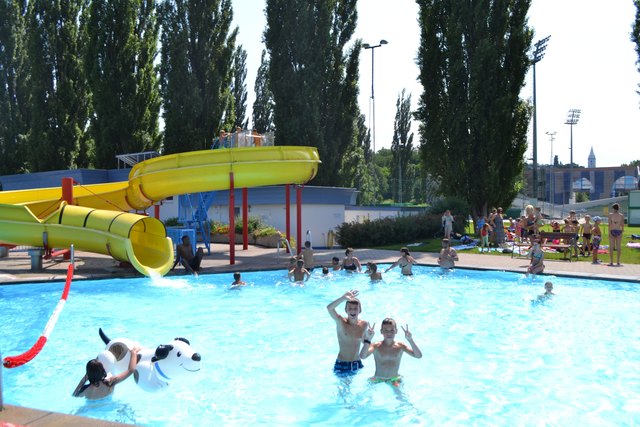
{"x": 592, "y": 159}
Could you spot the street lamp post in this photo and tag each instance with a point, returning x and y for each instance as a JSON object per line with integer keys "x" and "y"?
{"x": 538, "y": 54}
{"x": 552, "y": 180}
{"x": 572, "y": 118}
{"x": 373, "y": 99}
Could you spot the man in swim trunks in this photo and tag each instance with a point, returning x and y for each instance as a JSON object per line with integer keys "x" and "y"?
{"x": 616, "y": 227}
{"x": 186, "y": 257}
{"x": 448, "y": 256}
{"x": 388, "y": 352}
{"x": 350, "y": 330}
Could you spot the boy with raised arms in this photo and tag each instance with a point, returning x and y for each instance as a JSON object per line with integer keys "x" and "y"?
{"x": 388, "y": 352}
{"x": 350, "y": 330}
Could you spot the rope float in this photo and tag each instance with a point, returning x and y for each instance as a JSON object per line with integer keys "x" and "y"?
{"x": 19, "y": 360}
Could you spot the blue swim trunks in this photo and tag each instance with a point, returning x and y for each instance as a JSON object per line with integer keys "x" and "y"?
{"x": 343, "y": 369}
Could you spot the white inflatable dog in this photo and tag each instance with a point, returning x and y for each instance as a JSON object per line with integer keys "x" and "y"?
{"x": 156, "y": 367}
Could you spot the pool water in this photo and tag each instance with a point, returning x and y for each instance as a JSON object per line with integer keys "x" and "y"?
{"x": 491, "y": 357}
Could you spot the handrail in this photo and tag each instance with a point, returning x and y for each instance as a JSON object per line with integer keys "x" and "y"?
{"x": 286, "y": 245}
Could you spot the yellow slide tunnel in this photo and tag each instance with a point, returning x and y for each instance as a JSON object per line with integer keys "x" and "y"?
{"x": 137, "y": 239}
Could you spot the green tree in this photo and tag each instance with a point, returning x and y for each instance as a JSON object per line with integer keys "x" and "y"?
{"x": 239, "y": 87}
{"x": 58, "y": 90}
{"x": 635, "y": 32}
{"x": 263, "y": 105}
{"x": 195, "y": 71}
{"x": 14, "y": 85}
{"x": 402, "y": 149}
{"x": 358, "y": 168}
{"x": 314, "y": 82}
{"x": 473, "y": 62}
{"x": 122, "y": 38}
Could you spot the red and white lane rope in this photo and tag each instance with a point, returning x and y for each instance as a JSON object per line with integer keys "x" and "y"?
{"x": 21, "y": 359}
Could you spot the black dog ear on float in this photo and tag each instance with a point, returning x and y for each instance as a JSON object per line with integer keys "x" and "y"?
{"x": 182, "y": 339}
{"x": 162, "y": 352}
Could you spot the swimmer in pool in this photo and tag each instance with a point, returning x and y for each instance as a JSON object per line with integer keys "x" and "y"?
{"x": 616, "y": 228}
{"x": 405, "y": 262}
{"x": 100, "y": 384}
{"x": 548, "y": 292}
{"x": 299, "y": 273}
{"x": 372, "y": 271}
{"x": 350, "y": 330}
{"x": 388, "y": 352}
{"x": 237, "y": 281}
{"x": 350, "y": 262}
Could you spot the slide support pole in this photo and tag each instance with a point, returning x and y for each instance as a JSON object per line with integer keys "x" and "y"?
{"x": 299, "y": 217}
{"x": 245, "y": 219}
{"x": 232, "y": 221}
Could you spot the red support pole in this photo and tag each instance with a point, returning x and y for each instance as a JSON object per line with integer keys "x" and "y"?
{"x": 232, "y": 221}
{"x": 67, "y": 190}
{"x": 299, "y": 217}
{"x": 245, "y": 219}
{"x": 287, "y": 210}
{"x": 156, "y": 211}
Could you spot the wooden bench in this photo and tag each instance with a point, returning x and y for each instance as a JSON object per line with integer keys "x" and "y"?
{"x": 566, "y": 241}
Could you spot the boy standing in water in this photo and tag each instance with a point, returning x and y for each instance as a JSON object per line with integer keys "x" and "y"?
{"x": 388, "y": 352}
{"x": 350, "y": 330}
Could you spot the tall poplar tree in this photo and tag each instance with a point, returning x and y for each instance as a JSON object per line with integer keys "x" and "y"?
{"x": 263, "y": 105}
{"x": 122, "y": 38}
{"x": 239, "y": 87}
{"x": 635, "y": 32}
{"x": 13, "y": 87}
{"x": 59, "y": 99}
{"x": 314, "y": 82}
{"x": 402, "y": 148}
{"x": 473, "y": 62}
{"x": 195, "y": 71}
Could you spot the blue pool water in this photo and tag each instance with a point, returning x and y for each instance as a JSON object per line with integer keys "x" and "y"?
{"x": 490, "y": 356}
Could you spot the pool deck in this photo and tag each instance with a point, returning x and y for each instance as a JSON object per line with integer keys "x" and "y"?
{"x": 15, "y": 269}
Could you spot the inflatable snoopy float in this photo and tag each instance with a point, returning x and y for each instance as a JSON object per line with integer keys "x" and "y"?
{"x": 156, "y": 367}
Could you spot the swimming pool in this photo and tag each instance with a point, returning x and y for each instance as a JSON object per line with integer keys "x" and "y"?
{"x": 491, "y": 357}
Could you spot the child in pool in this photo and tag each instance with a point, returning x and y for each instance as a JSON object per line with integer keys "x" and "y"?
{"x": 388, "y": 352}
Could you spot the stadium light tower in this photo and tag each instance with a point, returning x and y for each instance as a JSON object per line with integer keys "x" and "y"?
{"x": 572, "y": 119}
{"x": 373, "y": 99}
{"x": 538, "y": 54}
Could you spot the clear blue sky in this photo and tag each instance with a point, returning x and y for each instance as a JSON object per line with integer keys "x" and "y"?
{"x": 590, "y": 64}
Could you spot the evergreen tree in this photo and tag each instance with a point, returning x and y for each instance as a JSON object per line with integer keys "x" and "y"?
{"x": 195, "y": 70}
{"x": 357, "y": 166}
{"x": 473, "y": 62}
{"x": 122, "y": 38}
{"x": 402, "y": 148}
{"x": 263, "y": 105}
{"x": 314, "y": 83}
{"x": 58, "y": 90}
{"x": 635, "y": 32}
{"x": 13, "y": 87}
{"x": 239, "y": 87}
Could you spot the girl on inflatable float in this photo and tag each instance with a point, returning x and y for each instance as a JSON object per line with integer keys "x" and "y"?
{"x": 98, "y": 382}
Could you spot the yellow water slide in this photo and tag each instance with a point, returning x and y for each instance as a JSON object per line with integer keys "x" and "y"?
{"x": 98, "y": 221}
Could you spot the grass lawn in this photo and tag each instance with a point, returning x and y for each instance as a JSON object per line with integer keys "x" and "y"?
{"x": 628, "y": 256}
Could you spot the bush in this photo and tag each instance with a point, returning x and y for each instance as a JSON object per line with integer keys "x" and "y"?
{"x": 455, "y": 205}
{"x": 171, "y": 222}
{"x": 397, "y": 230}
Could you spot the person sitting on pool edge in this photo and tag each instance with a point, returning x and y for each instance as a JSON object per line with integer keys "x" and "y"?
{"x": 448, "y": 256}
{"x": 536, "y": 266}
{"x": 100, "y": 384}
{"x": 350, "y": 330}
{"x": 388, "y": 352}
{"x": 186, "y": 257}
{"x": 405, "y": 262}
